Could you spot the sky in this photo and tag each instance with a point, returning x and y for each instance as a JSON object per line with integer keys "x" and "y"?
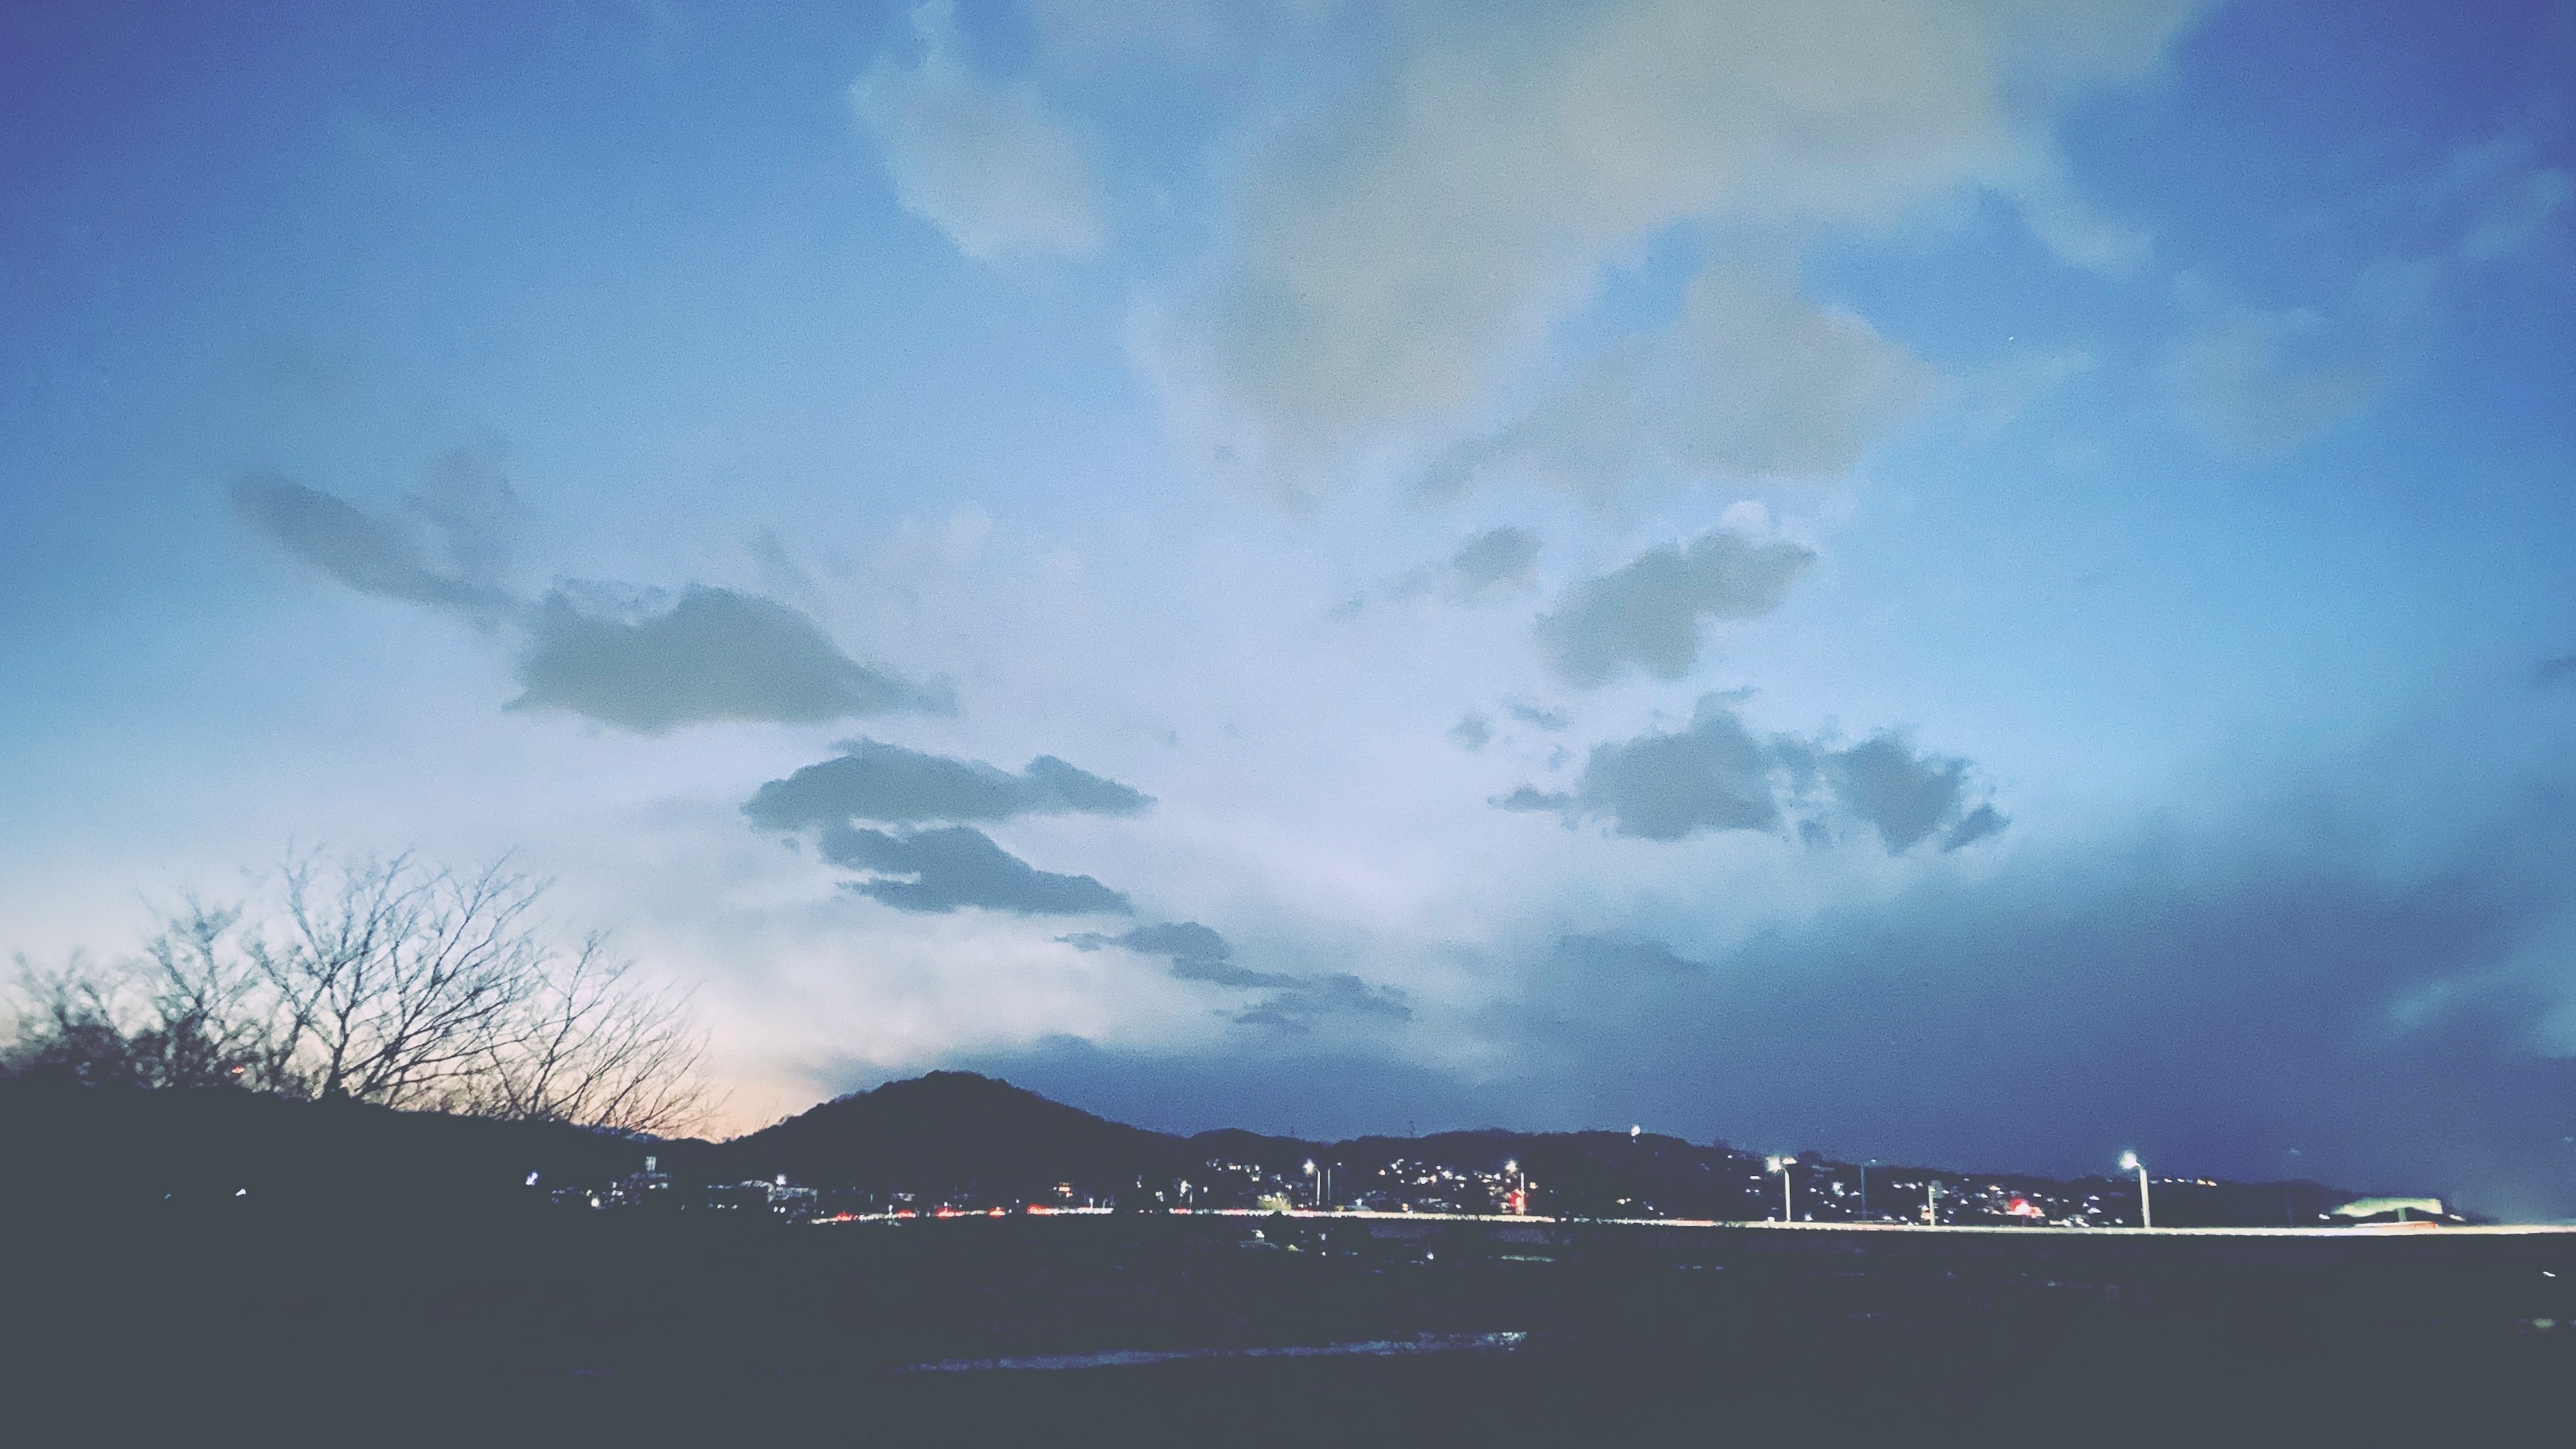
{"x": 1981, "y": 582}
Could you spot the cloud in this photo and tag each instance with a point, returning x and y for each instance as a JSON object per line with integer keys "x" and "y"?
{"x": 2561, "y": 670}
{"x": 1537, "y": 718}
{"x": 1625, "y": 959}
{"x": 1496, "y": 562}
{"x": 1415, "y": 251}
{"x": 388, "y": 558}
{"x": 1296, "y": 1003}
{"x": 715, "y": 655}
{"x": 1646, "y": 615}
{"x": 882, "y": 782}
{"x": 1976, "y": 825}
{"x": 1472, "y": 733}
{"x": 986, "y": 162}
{"x": 1297, "y": 1009}
{"x": 954, "y": 867}
{"x": 2518, "y": 217}
{"x": 1717, "y": 775}
{"x": 1196, "y": 953}
{"x": 2261, "y": 383}
{"x": 1751, "y": 380}
{"x": 1531, "y": 797}
{"x": 1905, "y": 796}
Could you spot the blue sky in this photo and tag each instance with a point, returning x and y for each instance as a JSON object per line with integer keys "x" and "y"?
{"x": 1979, "y": 581}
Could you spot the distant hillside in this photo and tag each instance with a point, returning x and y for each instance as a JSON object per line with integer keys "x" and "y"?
{"x": 954, "y": 1132}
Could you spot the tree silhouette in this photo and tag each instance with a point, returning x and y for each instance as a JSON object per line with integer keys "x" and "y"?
{"x": 377, "y": 980}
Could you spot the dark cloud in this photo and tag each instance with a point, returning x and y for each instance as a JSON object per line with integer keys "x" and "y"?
{"x": 1296, "y": 1004}
{"x": 1716, "y": 774}
{"x": 715, "y": 655}
{"x": 474, "y": 512}
{"x": 1646, "y": 615}
{"x": 1627, "y": 959}
{"x": 1904, "y": 795}
{"x": 2561, "y": 670}
{"x": 1493, "y": 563}
{"x": 1976, "y": 825}
{"x": 1196, "y": 953}
{"x": 1537, "y": 718}
{"x": 955, "y": 867}
{"x": 381, "y": 556}
{"x": 1298, "y": 1007}
{"x": 2209, "y": 1005}
{"x": 1499, "y": 560}
{"x": 1530, "y": 797}
{"x": 1472, "y": 733}
{"x": 882, "y": 782}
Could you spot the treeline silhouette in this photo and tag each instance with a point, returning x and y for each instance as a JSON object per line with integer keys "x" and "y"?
{"x": 381, "y": 981}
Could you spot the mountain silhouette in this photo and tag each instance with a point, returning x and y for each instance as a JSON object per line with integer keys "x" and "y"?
{"x": 955, "y": 1132}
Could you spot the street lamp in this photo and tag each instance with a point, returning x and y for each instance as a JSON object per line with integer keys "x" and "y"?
{"x": 1520, "y": 1186}
{"x": 1781, "y": 1166}
{"x": 2146, "y": 1212}
{"x": 1317, "y": 1194}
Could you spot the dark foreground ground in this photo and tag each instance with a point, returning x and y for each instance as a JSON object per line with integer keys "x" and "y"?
{"x": 224, "y": 1324}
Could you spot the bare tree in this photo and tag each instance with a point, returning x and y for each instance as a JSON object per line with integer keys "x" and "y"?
{"x": 593, "y": 1045}
{"x": 93, "y": 1027}
{"x": 393, "y": 983}
{"x": 386, "y": 981}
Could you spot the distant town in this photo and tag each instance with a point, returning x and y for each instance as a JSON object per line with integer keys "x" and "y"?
{"x": 1632, "y": 1175}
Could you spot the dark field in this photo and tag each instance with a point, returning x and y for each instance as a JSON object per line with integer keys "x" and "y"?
{"x": 574, "y": 1326}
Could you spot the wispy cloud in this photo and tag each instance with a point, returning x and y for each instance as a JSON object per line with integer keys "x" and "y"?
{"x": 632, "y": 660}
{"x": 987, "y": 162}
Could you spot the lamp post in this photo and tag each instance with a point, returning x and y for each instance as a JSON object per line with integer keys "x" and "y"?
{"x": 1520, "y": 1186}
{"x": 1315, "y": 1188}
{"x": 1931, "y": 1191}
{"x": 2146, "y": 1211}
{"x": 1781, "y": 1166}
